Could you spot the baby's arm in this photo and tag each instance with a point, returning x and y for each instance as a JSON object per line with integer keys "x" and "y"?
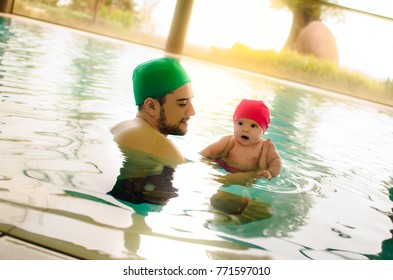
{"x": 219, "y": 148}
{"x": 273, "y": 163}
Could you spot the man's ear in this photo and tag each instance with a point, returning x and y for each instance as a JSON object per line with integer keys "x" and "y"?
{"x": 152, "y": 106}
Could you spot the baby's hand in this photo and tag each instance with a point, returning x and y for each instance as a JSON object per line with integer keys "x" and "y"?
{"x": 264, "y": 174}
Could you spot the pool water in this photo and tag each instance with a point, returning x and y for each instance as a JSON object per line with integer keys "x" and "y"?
{"x": 62, "y": 90}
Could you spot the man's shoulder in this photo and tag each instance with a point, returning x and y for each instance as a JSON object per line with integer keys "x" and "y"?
{"x": 121, "y": 126}
{"x": 136, "y": 132}
{"x": 139, "y": 136}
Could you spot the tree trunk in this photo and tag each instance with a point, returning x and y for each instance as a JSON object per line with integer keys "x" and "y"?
{"x": 95, "y": 11}
{"x": 298, "y": 23}
{"x": 303, "y": 14}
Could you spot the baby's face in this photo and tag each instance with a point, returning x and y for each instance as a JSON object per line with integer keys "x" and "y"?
{"x": 247, "y": 132}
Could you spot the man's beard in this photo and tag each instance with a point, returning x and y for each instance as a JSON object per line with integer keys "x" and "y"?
{"x": 168, "y": 129}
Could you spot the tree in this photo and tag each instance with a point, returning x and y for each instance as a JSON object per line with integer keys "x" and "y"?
{"x": 308, "y": 34}
{"x": 95, "y": 6}
{"x": 88, "y": 5}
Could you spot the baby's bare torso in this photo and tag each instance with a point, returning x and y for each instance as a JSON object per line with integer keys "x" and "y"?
{"x": 247, "y": 158}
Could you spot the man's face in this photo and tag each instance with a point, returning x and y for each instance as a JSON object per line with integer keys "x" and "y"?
{"x": 176, "y": 111}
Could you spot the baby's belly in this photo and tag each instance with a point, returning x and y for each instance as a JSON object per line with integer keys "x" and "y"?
{"x": 245, "y": 166}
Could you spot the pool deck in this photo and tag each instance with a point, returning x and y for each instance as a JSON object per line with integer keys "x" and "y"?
{"x": 14, "y": 249}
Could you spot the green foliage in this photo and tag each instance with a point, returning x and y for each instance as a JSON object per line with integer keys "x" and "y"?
{"x": 49, "y": 2}
{"x": 306, "y": 69}
{"x": 318, "y": 9}
{"x": 113, "y": 16}
{"x": 389, "y": 85}
{"x": 116, "y": 17}
{"x": 88, "y": 6}
{"x": 82, "y": 5}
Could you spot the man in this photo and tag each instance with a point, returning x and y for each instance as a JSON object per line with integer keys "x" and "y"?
{"x": 163, "y": 94}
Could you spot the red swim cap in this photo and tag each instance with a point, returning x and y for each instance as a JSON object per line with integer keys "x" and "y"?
{"x": 254, "y": 110}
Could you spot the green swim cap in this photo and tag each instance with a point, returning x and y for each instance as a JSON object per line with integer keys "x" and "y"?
{"x": 158, "y": 77}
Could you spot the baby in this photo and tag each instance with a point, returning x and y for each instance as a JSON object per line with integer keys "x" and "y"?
{"x": 246, "y": 150}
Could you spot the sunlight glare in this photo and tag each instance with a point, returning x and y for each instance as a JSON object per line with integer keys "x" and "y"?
{"x": 228, "y": 22}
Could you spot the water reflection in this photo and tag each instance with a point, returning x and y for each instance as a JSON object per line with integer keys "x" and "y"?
{"x": 146, "y": 184}
{"x": 143, "y": 178}
{"x": 57, "y": 134}
{"x": 266, "y": 214}
{"x": 387, "y": 245}
{"x": 239, "y": 209}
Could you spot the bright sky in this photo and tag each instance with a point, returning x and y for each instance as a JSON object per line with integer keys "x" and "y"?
{"x": 227, "y": 22}
{"x": 379, "y": 7}
{"x": 363, "y": 41}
